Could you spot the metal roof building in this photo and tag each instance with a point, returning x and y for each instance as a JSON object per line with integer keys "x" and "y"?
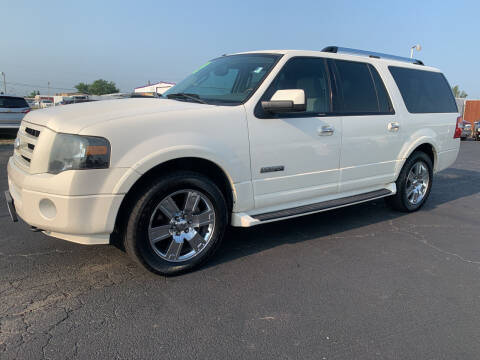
{"x": 159, "y": 88}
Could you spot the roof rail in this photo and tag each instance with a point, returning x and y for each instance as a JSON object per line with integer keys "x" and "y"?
{"x": 371, "y": 54}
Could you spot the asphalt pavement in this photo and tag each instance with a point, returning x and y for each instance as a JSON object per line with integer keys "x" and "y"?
{"x": 362, "y": 282}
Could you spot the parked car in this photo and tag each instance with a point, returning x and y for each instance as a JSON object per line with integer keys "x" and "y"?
{"x": 73, "y": 101}
{"x": 466, "y": 129}
{"x": 12, "y": 111}
{"x": 245, "y": 140}
{"x": 44, "y": 103}
{"x": 476, "y": 130}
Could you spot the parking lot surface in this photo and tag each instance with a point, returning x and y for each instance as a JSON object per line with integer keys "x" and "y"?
{"x": 358, "y": 283}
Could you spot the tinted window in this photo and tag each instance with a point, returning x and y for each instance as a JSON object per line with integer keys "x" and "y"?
{"x": 308, "y": 74}
{"x": 424, "y": 91}
{"x": 12, "y": 102}
{"x": 384, "y": 103}
{"x": 357, "y": 88}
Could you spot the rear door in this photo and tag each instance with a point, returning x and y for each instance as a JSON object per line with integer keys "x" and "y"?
{"x": 12, "y": 110}
{"x": 372, "y": 135}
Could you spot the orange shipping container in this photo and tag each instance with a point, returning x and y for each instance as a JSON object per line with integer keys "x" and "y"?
{"x": 472, "y": 111}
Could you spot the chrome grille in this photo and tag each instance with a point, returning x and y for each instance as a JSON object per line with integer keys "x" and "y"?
{"x": 28, "y": 137}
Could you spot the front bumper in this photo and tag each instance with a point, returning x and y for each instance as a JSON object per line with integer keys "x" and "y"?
{"x": 85, "y": 219}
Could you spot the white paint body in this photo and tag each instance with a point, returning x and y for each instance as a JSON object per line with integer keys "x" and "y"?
{"x": 362, "y": 155}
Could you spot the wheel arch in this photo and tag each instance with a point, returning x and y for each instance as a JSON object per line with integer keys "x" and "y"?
{"x": 425, "y": 144}
{"x": 203, "y": 166}
{"x": 428, "y": 149}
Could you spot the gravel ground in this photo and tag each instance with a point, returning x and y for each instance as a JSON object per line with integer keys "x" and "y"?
{"x": 357, "y": 283}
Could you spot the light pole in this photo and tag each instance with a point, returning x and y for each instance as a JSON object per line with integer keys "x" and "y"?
{"x": 4, "y": 83}
{"x": 414, "y": 47}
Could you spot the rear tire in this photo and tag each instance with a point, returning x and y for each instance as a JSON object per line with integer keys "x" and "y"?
{"x": 414, "y": 183}
{"x": 176, "y": 224}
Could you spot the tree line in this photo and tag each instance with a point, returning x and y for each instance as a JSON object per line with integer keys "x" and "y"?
{"x": 458, "y": 93}
{"x": 98, "y": 87}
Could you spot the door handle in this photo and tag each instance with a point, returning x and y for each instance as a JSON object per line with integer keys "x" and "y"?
{"x": 326, "y": 130}
{"x": 393, "y": 126}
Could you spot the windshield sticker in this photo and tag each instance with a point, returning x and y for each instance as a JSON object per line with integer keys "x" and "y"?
{"x": 201, "y": 67}
{"x": 258, "y": 69}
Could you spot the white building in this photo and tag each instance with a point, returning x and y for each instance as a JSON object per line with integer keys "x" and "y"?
{"x": 158, "y": 88}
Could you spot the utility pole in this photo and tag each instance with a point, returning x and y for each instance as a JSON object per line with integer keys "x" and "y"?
{"x": 4, "y": 84}
{"x": 49, "y": 88}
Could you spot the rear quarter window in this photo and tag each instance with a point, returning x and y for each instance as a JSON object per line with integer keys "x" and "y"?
{"x": 424, "y": 91}
{"x": 12, "y": 102}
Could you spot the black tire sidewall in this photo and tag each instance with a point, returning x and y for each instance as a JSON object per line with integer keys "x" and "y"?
{"x": 402, "y": 180}
{"x": 136, "y": 235}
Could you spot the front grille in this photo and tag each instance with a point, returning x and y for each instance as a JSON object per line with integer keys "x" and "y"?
{"x": 33, "y": 132}
{"x": 28, "y": 137}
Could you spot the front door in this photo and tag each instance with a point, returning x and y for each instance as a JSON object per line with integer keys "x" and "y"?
{"x": 295, "y": 157}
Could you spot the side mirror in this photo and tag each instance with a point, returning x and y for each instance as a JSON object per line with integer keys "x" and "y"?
{"x": 284, "y": 101}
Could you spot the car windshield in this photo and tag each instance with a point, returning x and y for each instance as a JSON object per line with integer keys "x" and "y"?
{"x": 228, "y": 80}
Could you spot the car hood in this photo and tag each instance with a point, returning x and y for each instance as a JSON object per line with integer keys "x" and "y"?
{"x": 73, "y": 118}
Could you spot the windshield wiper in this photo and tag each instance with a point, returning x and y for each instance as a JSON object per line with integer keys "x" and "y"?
{"x": 193, "y": 97}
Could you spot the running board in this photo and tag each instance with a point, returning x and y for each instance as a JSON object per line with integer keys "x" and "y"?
{"x": 322, "y": 206}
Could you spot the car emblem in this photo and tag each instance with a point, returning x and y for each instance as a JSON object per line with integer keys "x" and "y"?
{"x": 16, "y": 145}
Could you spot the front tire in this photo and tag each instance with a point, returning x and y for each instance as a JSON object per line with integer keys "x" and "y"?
{"x": 414, "y": 183}
{"x": 176, "y": 224}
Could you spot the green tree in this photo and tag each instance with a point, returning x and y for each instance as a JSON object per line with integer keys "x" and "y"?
{"x": 82, "y": 87}
{"x": 34, "y": 93}
{"x": 459, "y": 93}
{"x": 98, "y": 87}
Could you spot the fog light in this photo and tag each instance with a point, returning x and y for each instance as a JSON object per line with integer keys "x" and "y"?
{"x": 47, "y": 209}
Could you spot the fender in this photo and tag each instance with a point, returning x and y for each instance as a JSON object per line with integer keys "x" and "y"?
{"x": 229, "y": 162}
{"x": 166, "y": 154}
{"x": 420, "y": 137}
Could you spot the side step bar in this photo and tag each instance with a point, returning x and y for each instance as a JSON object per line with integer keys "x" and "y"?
{"x": 322, "y": 206}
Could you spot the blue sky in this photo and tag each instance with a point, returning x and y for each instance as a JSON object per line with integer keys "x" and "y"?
{"x": 131, "y": 42}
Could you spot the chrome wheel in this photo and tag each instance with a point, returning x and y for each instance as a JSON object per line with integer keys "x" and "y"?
{"x": 418, "y": 180}
{"x": 182, "y": 225}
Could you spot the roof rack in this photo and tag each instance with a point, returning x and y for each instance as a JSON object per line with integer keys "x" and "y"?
{"x": 371, "y": 54}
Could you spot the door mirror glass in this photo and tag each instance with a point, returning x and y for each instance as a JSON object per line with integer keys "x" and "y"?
{"x": 284, "y": 101}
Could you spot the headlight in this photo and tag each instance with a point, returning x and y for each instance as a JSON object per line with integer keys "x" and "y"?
{"x": 76, "y": 152}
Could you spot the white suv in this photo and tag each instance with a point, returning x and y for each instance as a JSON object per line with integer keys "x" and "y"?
{"x": 244, "y": 140}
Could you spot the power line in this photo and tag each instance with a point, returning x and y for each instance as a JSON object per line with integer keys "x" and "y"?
{"x": 38, "y": 86}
